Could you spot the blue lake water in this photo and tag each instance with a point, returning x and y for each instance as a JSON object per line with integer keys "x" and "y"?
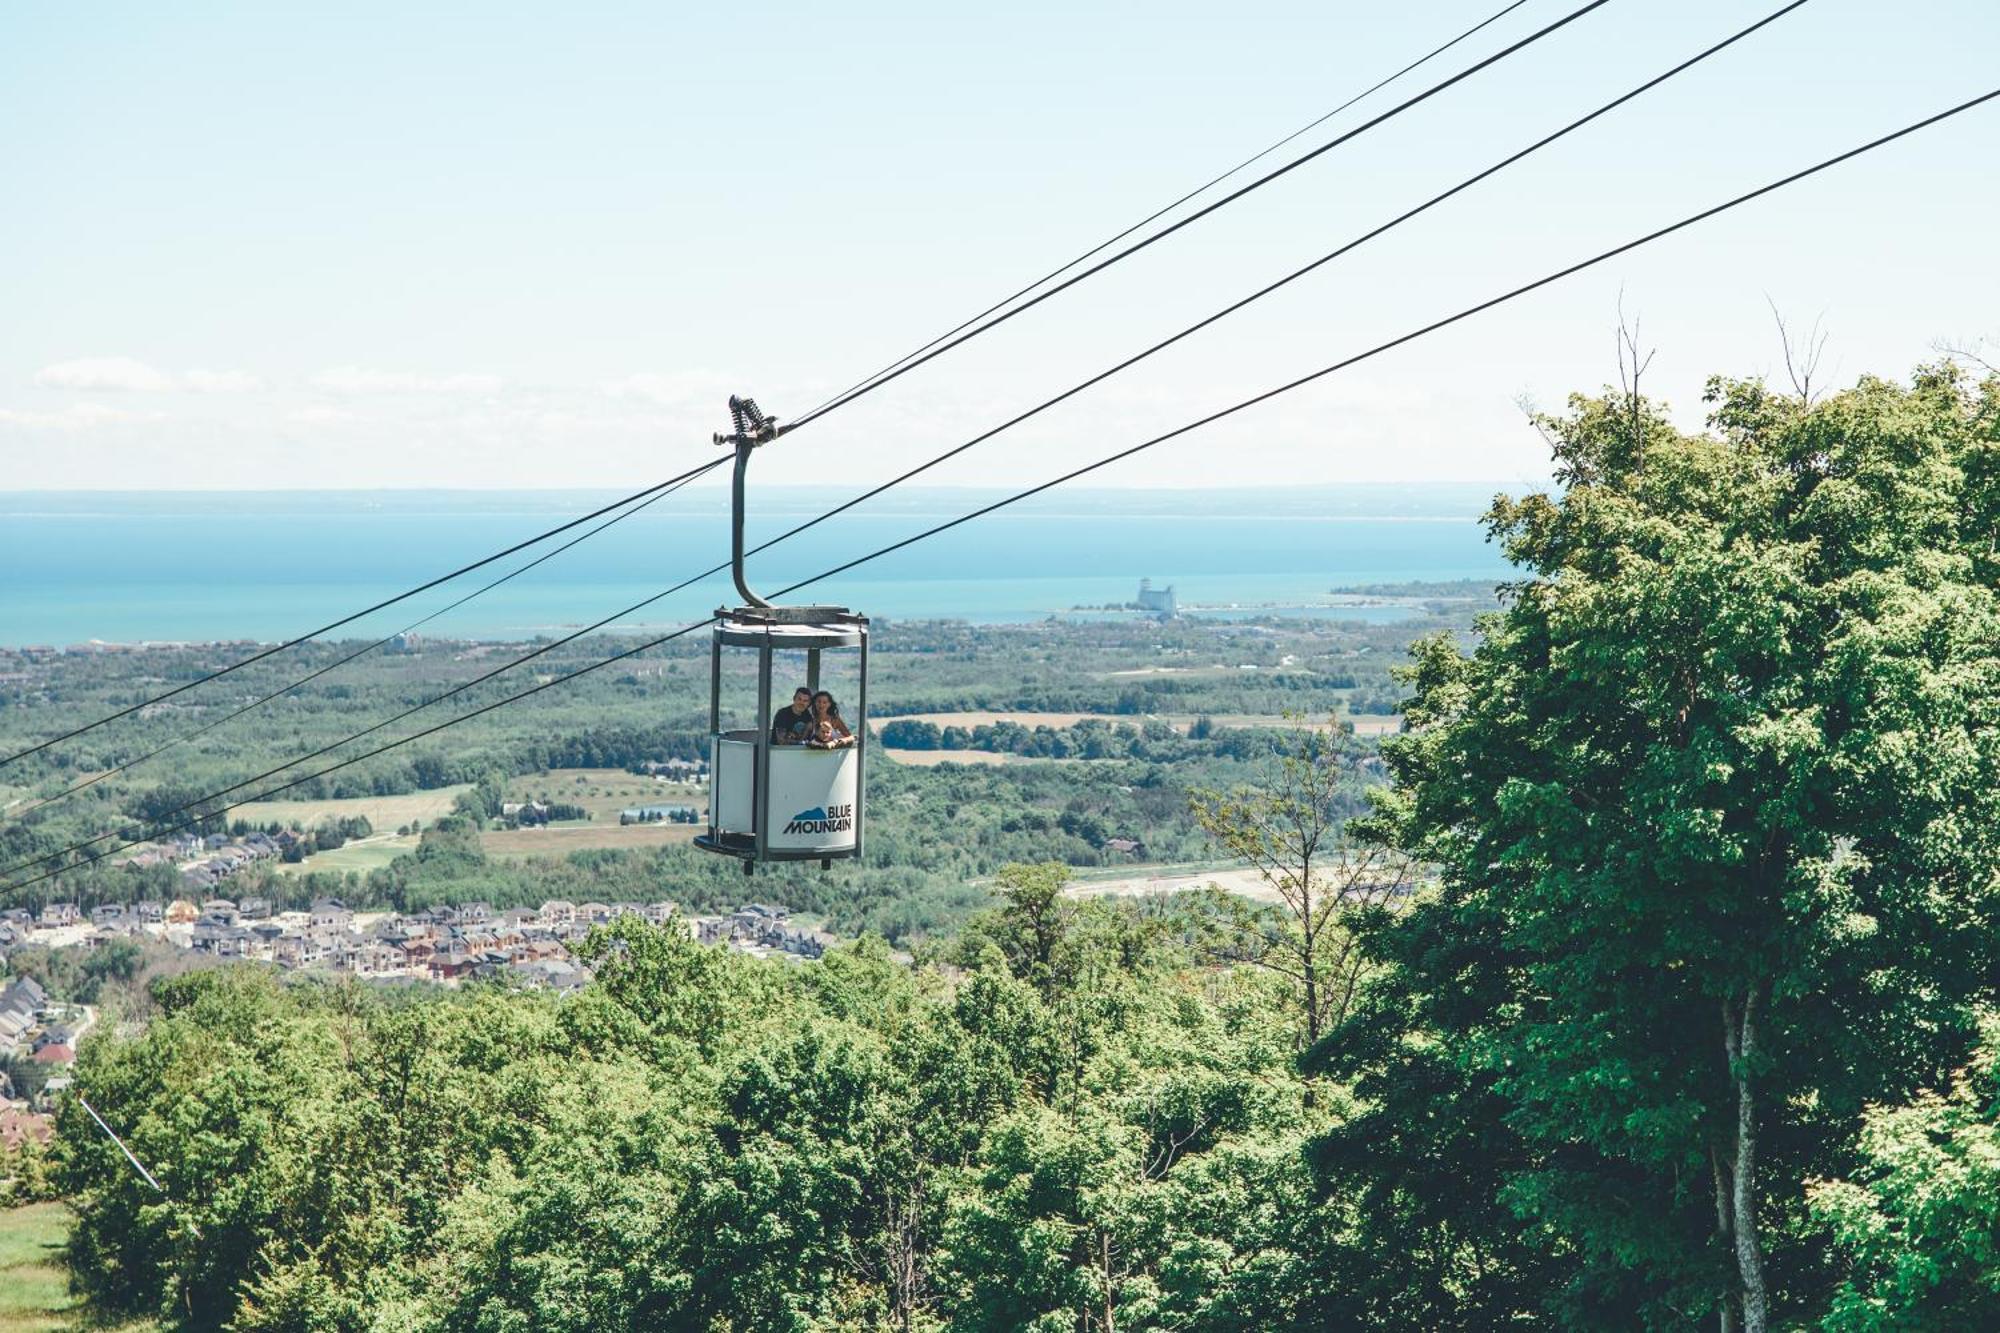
{"x": 125, "y": 567}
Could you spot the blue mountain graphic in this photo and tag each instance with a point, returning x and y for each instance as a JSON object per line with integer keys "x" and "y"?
{"x": 817, "y": 812}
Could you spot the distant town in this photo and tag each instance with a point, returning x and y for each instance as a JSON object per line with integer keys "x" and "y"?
{"x": 446, "y": 944}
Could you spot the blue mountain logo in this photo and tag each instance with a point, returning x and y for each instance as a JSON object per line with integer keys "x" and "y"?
{"x": 820, "y": 821}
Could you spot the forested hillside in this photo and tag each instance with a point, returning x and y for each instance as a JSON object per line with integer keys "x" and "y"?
{"x": 1652, "y": 986}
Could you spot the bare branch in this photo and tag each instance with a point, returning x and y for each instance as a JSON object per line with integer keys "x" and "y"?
{"x": 1961, "y": 352}
{"x": 1802, "y": 361}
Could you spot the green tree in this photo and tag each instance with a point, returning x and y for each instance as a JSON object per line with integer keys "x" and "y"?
{"x": 1712, "y": 800}
{"x": 1919, "y": 1219}
{"x": 1291, "y": 829}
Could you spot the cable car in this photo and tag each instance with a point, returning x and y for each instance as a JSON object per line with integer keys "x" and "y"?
{"x": 770, "y": 797}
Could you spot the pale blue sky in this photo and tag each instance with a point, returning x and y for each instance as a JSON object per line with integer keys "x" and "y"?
{"x": 506, "y": 245}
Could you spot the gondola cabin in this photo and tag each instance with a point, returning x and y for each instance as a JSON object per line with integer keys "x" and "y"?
{"x": 772, "y": 795}
{"x": 778, "y": 790}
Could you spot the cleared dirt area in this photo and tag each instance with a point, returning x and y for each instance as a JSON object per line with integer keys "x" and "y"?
{"x": 387, "y": 813}
{"x": 561, "y": 840}
{"x": 970, "y": 720}
{"x": 1168, "y": 879}
{"x": 987, "y": 758}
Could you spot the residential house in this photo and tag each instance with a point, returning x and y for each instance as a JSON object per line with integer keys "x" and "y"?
{"x": 26, "y": 995}
{"x": 18, "y": 1127}
{"x": 56, "y": 1034}
{"x": 15, "y": 1024}
{"x": 61, "y": 914}
{"x": 450, "y": 964}
{"x": 331, "y": 914}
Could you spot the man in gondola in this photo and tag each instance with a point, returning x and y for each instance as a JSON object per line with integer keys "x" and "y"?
{"x": 792, "y": 725}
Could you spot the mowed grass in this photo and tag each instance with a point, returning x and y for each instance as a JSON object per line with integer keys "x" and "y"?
{"x": 34, "y": 1289}
{"x": 360, "y": 856}
{"x": 386, "y": 813}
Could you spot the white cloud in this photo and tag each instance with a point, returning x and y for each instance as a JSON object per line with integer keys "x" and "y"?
{"x": 360, "y": 380}
{"x": 680, "y": 389}
{"x": 123, "y": 374}
{"x": 79, "y": 416}
{"x": 118, "y": 373}
{"x": 320, "y": 415}
{"x": 220, "y": 381}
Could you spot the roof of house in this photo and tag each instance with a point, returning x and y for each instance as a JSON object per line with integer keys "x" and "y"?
{"x": 17, "y": 1126}
{"x": 55, "y": 1054}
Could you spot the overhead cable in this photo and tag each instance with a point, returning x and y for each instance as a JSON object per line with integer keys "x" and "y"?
{"x": 350, "y": 619}
{"x": 1106, "y": 461}
{"x": 1196, "y": 216}
{"x": 1197, "y": 191}
{"x": 382, "y": 642}
{"x": 1287, "y": 279}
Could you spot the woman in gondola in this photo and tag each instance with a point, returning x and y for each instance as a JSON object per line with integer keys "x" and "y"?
{"x": 826, "y": 710}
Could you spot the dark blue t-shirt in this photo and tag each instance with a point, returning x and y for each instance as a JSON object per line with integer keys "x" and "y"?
{"x": 790, "y": 728}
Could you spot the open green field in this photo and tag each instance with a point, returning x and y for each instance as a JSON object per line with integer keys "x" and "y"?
{"x": 387, "y": 813}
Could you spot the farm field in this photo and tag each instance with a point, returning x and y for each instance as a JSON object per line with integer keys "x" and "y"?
{"x": 388, "y": 813}
{"x": 562, "y": 839}
{"x": 605, "y": 791}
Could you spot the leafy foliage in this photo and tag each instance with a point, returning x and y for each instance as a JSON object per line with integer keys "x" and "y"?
{"x": 1712, "y": 803}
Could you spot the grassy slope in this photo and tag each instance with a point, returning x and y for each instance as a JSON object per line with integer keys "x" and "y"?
{"x": 34, "y": 1294}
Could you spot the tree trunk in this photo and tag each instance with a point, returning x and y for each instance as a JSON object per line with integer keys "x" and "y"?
{"x": 1740, "y": 1042}
{"x": 1726, "y": 1320}
{"x": 1110, "y": 1315}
